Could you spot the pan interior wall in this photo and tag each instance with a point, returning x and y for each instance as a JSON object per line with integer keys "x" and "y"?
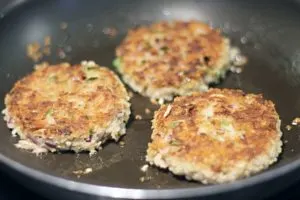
{"x": 267, "y": 33}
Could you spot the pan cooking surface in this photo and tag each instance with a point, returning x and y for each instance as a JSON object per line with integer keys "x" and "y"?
{"x": 267, "y": 34}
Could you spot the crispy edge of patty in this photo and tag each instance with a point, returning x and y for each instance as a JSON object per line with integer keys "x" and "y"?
{"x": 167, "y": 93}
{"x": 115, "y": 129}
{"x": 205, "y": 174}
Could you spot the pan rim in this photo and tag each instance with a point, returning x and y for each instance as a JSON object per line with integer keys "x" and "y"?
{"x": 134, "y": 193}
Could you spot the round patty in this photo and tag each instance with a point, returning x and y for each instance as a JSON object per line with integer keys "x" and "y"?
{"x": 215, "y": 137}
{"x": 172, "y": 58}
{"x": 63, "y": 107}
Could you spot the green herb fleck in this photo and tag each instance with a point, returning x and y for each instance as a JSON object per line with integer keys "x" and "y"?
{"x": 118, "y": 135}
{"x": 164, "y": 48}
{"x": 217, "y": 74}
{"x": 49, "y": 112}
{"x": 92, "y": 78}
{"x": 225, "y": 123}
{"x": 91, "y": 131}
{"x": 175, "y": 142}
{"x": 52, "y": 78}
{"x": 173, "y": 124}
{"x": 117, "y": 62}
{"x": 148, "y": 45}
{"x": 91, "y": 67}
{"x": 143, "y": 62}
{"x": 88, "y": 68}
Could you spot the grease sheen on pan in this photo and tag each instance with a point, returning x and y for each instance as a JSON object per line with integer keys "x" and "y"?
{"x": 167, "y": 59}
{"x": 215, "y": 137}
{"x": 64, "y": 107}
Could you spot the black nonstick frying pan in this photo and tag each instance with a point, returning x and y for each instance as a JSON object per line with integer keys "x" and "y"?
{"x": 267, "y": 32}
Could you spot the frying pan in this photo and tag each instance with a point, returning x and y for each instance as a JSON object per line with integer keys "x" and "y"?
{"x": 267, "y": 32}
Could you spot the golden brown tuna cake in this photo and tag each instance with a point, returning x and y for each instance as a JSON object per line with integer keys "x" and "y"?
{"x": 216, "y": 137}
{"x": 167, "y": 59}
{"x": 64, "y": 107}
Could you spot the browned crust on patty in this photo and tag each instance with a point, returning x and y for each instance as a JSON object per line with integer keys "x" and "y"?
{"x": 66, "y": 103}
{"x": 206, "y": 140}
{"x": 170, "y": 54}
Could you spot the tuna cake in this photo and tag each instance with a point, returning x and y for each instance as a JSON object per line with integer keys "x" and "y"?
{"x": 64, "y": 107}
{"x": 167, "y": 59}
{"x": 215, "y": 137}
